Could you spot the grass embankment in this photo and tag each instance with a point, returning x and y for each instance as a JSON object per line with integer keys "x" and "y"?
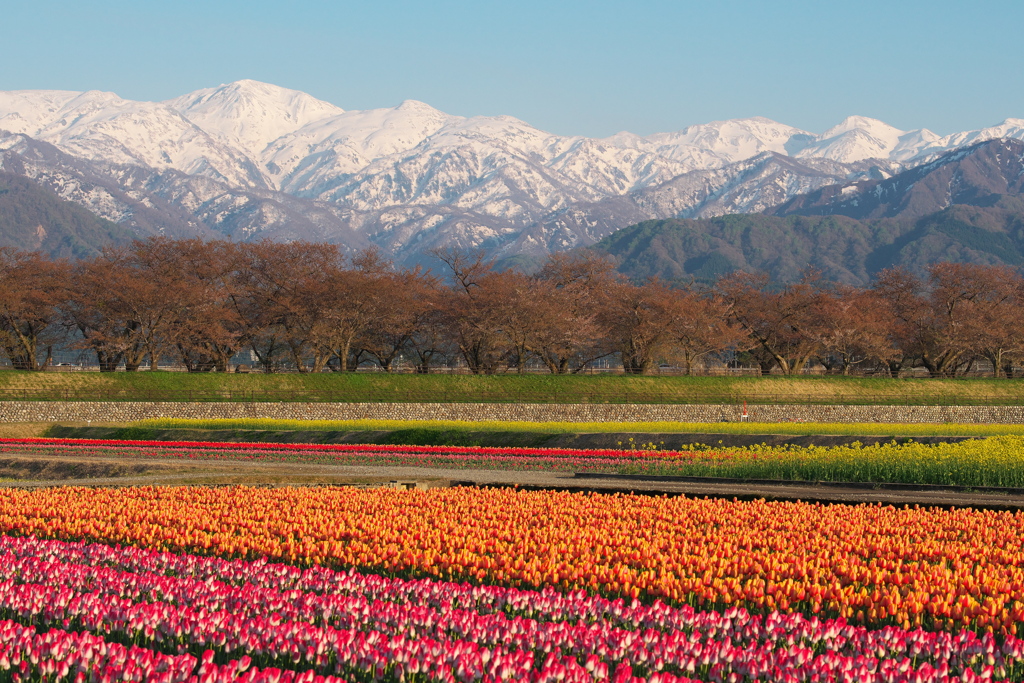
{"x": 379, "y": 387}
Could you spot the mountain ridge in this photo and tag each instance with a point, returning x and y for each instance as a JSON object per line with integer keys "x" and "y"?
{"x": 256, "y": 160}
{"x": 965, "y": 176}
{"x": 967, "y": 206}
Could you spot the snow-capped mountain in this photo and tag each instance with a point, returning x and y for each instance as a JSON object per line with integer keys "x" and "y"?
{"x": 979, "y": 175}
{"x": 102, "y": 126}
{"x": 410, "y": 177}
{"x": 250, "y": 115}
{"x": 151, "y": 201}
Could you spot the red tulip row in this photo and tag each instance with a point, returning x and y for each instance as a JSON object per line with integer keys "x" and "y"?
{"x": 371, "y": 628}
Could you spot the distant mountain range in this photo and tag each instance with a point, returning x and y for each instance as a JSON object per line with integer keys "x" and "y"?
{"x": 252, "y": 160}
{"x": 964, "y": 206}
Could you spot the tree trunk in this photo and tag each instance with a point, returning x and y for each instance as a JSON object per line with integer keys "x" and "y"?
{"x": 995, "y": 356}
{"x": 343, "y": 356}
{"x": 108, "y": 361}
{"x": 295, "y": 350}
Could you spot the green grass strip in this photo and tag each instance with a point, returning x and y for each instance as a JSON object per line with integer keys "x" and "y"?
{"x": 787, "y": 428}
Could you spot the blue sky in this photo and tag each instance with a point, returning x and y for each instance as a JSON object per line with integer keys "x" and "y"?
{"x": 571, "y": 67}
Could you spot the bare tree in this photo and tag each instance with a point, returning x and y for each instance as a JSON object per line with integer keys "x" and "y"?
{"x": 402, "y": 303}
{"x": 637, "y": 326}
{"x": 930, "y": 316}
{"x": 854, "y": 328}
{"x": 780, "y": 322}
{"x": 431, "y": 340}
{"x": 103, "y": 308}
{"x": 571, "y": 333}
{"x": 698, "y": 325}
{"x": 277, "y": 295}
{"x": 470, "y": 311}
{"x": 984, "y": 304}
{"x": 334, "y": 307}
{"x": 31, "y": 289}
{"x": 203, "y": 326}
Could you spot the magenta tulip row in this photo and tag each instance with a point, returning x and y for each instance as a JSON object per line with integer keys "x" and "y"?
{"x": 57, "y": 655}
{"x": 372, "y": 628}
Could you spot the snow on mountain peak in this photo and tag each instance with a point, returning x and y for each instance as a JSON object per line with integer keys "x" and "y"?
{"x": 415, "y": 105}
{"x": 624, "y": 139}
{"x": 29, "y": 111}
{"x": 251, "y": 114}
{"x": 856, "y": 138}
{"x": 730, "y": 140}
{"x": 864, "y": 124}
{"x": 321, "y": 151}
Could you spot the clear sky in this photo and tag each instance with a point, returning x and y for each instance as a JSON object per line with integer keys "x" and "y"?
{"x": 589, "y": 67}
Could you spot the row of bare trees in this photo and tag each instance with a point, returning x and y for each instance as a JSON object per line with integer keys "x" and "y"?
{"x": 959, "y": 314}
{"x": 308, "y": 307}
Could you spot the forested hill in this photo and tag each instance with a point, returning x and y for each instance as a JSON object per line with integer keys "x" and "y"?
{"x": 844, "y": 249}
{"x": 34, "y": 218}
{"x": 966, "y": 206}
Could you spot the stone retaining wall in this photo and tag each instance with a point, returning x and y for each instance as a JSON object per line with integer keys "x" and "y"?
{"x": 57, "y": 411}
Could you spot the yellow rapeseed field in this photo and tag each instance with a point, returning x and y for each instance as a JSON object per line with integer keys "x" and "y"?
{"x": 996, "y": 461}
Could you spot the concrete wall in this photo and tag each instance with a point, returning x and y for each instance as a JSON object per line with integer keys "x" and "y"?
{"x": 56, "y": 411}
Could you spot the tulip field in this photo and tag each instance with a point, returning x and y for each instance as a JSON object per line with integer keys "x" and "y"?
{"x": 477, "y": 585}
{"x": 134, "y": 614}
{"x": 995, "y": 461}
{"x": 466, "y": 584}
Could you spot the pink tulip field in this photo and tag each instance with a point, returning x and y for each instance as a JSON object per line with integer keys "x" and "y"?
{"x": 78, "y": 611}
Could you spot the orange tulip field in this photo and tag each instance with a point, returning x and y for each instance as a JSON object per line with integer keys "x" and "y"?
{"x": 873, "y": 565}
